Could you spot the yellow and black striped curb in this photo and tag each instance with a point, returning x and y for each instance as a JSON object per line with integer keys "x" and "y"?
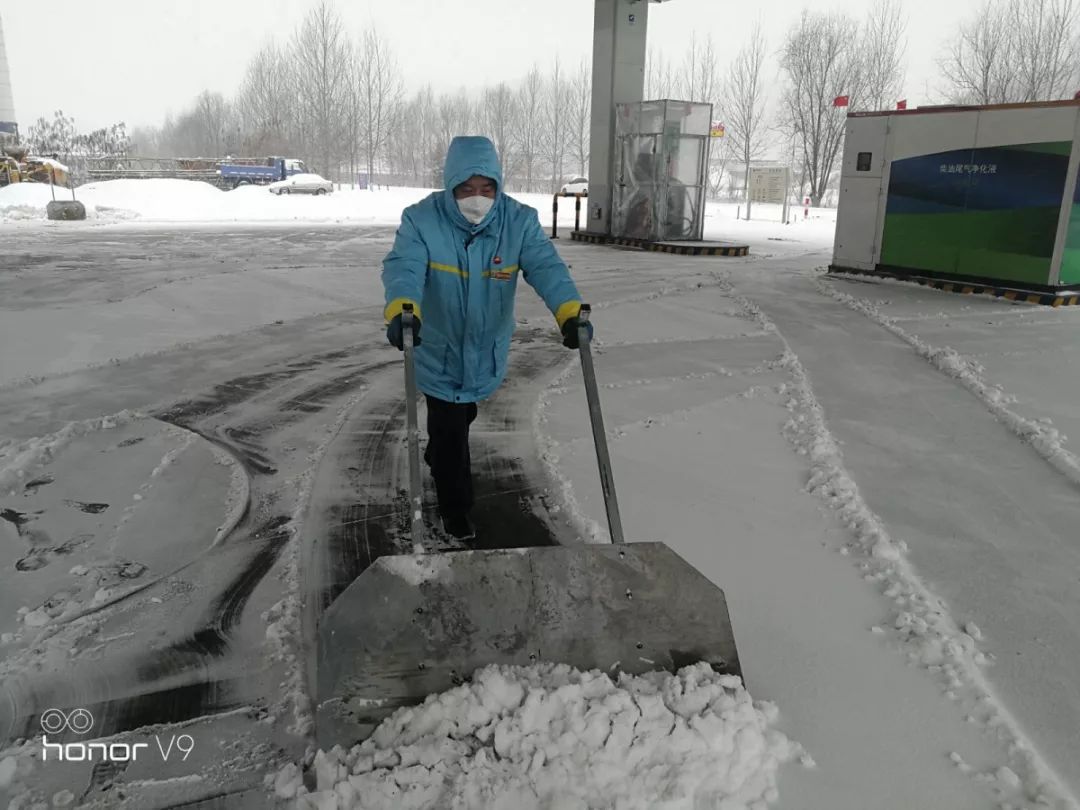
{"x": 591, "y": 238}
{"x": 1045, "y": 299}
{"x": 661, "y": 247}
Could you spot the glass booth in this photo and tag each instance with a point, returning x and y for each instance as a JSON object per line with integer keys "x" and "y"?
{"x": 661, "y": 165}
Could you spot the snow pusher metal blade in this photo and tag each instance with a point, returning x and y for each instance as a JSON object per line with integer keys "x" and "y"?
{"x": 411, "y": 626}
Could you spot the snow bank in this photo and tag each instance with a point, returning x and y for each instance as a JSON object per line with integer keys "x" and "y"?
{"x": 189, "y": 201}
{"x": 27, "y": 201}
{"x": 551, "y": 736}
{"x": 150, "y": 199}
{"x": 178, "y": 201}
{"x": 171, "y": 200}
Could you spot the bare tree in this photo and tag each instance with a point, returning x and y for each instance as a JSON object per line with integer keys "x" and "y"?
{"x": 413, "y": 148}
{"x": 202, "y": 130}
{"x": 744, "y": 92}
{"x": 1012, "y": 51}
{"x": 580, "y": 118}
{"x": 321, "y": 51}
{"x": 699, "y": 80}
{"x": 976, "y": 65}
{"x": 530, "y": 107}
{"x": 262, "y": 103}
{"x": 380, "y": 90}
{"x": 353, "y": 114}
{"x": 498, "y": 120}
{"x": 146, "y": 141}
{"x": 455, "y": 116}
{"x": 660, "y": 79}
{"x": 555, "y": 122}
{"x": 1046, "y": 47}
{"x": 820, "y": 62}
{"x": 883, "y": 49}
{"x": 184, "y": 135}
{"x": 212, "y": 114}
{"x": 721, "y": 152}
{"x": 57, "y": 136}
{"x": 699, "y": 77}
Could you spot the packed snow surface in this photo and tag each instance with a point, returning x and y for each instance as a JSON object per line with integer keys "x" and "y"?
{"x": 877, "y": 474}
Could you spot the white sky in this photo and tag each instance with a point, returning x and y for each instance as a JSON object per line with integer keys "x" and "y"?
{"x": 135, "y": 60}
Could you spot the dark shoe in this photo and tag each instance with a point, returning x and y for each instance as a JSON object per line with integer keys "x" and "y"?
{"x": 459, "y": 525}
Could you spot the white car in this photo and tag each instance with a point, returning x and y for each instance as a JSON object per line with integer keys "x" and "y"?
{"x": 302, "y": 184}
{"x": 579, "y": 185}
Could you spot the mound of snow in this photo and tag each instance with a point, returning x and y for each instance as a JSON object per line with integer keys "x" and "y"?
{"x": 28, "y": 200}
{"x": 550, "y": 736}
{"x": 167, "y": 199}
{"x": 174, "y": 200}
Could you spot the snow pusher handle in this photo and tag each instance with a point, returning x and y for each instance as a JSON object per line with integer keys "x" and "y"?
{"x": 603, "y": 460}
{"x": 416, "y": 492}
{"x": 414, "y": 625}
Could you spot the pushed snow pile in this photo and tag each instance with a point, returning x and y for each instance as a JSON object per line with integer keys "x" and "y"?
{"x": 550, "y": 736}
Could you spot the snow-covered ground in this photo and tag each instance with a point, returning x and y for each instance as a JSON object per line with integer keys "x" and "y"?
{"x": 188, "y": 201}
{"x": 878, "y": 475}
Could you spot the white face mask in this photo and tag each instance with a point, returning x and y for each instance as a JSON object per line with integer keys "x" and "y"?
{"x": 475, "y": 208}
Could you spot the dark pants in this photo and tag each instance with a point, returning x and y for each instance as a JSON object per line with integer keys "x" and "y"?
{"x": 448, "y": 453}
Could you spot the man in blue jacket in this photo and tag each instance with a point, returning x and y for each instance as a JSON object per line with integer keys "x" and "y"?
{"x": 456, "y": 259}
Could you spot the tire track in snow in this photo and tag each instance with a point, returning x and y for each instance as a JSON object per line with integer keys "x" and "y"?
{"x": 1045, "y": 439}
{"x": 922, "y": 622}
{"x": 182, "y": 679}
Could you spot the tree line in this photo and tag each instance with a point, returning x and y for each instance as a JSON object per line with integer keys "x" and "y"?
{"x": 340, "y": 102}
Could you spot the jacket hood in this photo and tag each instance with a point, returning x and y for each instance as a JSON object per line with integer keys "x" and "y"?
{"x": 469, "y": 155}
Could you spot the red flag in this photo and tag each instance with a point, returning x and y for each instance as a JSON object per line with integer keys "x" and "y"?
{"x": 901, "y": 104}
{"x": 840, "y": 101}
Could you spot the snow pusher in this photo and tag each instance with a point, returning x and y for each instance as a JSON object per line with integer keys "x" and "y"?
{"x": 413, "y": 625}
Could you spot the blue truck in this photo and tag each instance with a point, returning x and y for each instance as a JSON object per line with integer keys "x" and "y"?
{"x": 272, "y": 170}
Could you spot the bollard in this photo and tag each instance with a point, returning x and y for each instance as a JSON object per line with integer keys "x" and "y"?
{"x": 577, "y": 212}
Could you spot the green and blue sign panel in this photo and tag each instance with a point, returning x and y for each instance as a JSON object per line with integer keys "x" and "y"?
{"x": 988, "y": 213}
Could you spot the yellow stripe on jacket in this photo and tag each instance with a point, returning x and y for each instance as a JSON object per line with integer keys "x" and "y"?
{"x": 448, "y": 268}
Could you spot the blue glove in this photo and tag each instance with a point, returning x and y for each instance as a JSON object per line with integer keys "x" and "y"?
{"x": 570, "y": 332}
{"x": 395, "y": 332}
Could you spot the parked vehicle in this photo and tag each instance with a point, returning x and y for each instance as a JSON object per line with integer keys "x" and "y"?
{"x": 273, "y": 169}
{"x": 302, "y": 184}
{"x": 579, "y": 185}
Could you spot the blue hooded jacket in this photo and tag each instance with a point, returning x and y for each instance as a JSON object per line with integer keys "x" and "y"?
{"x": 461, "y": 278}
